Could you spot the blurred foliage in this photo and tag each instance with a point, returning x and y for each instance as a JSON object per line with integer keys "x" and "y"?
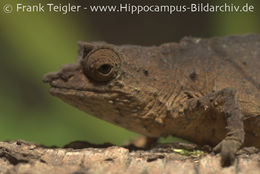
{"x": 32, "y": 44}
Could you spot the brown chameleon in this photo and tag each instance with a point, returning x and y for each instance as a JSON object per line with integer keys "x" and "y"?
{"x": 206, "y": 91}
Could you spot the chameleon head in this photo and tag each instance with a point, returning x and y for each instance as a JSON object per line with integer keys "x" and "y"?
{"x": 107, "y": 82}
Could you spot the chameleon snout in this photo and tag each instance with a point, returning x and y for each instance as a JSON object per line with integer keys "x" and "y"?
{"x": 65, "y": 72}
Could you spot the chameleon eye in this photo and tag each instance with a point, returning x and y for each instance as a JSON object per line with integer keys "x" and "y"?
{"x": 105, "y": 69}
{"x": 101, "y": 65}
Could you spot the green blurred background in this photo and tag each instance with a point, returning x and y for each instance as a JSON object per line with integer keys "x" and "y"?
{"x": 32, "y": 44}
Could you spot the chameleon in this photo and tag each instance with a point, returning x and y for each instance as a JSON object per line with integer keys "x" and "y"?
{"x": 206, "y": 91}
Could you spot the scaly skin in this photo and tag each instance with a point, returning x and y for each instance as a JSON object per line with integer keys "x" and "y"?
{"x": 204, "y": 90}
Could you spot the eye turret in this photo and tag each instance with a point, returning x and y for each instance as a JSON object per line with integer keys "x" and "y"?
{"x": 101, "y": 65}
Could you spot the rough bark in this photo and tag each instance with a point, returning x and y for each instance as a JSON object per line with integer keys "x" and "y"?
{"x": 83, "y": 157}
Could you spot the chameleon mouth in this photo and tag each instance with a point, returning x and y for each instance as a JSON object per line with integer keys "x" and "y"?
{"x": 60, "y": 90}
{"x": 63, "y": 90}
{"x": 69, "y": 92}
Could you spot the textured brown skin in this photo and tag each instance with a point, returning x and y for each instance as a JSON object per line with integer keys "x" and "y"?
{"x": 197, "y": 89}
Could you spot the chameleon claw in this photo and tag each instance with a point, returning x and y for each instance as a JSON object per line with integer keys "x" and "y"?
{"x": 227, "y": 150}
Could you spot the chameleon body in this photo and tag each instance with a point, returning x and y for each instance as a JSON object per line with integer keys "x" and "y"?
{"x": 204, "y": 90}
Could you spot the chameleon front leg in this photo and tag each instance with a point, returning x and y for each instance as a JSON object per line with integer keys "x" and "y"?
{"x": 225, "y": 99}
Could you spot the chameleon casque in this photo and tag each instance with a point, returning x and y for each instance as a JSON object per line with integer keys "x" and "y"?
{"x": 206, "y": 91}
